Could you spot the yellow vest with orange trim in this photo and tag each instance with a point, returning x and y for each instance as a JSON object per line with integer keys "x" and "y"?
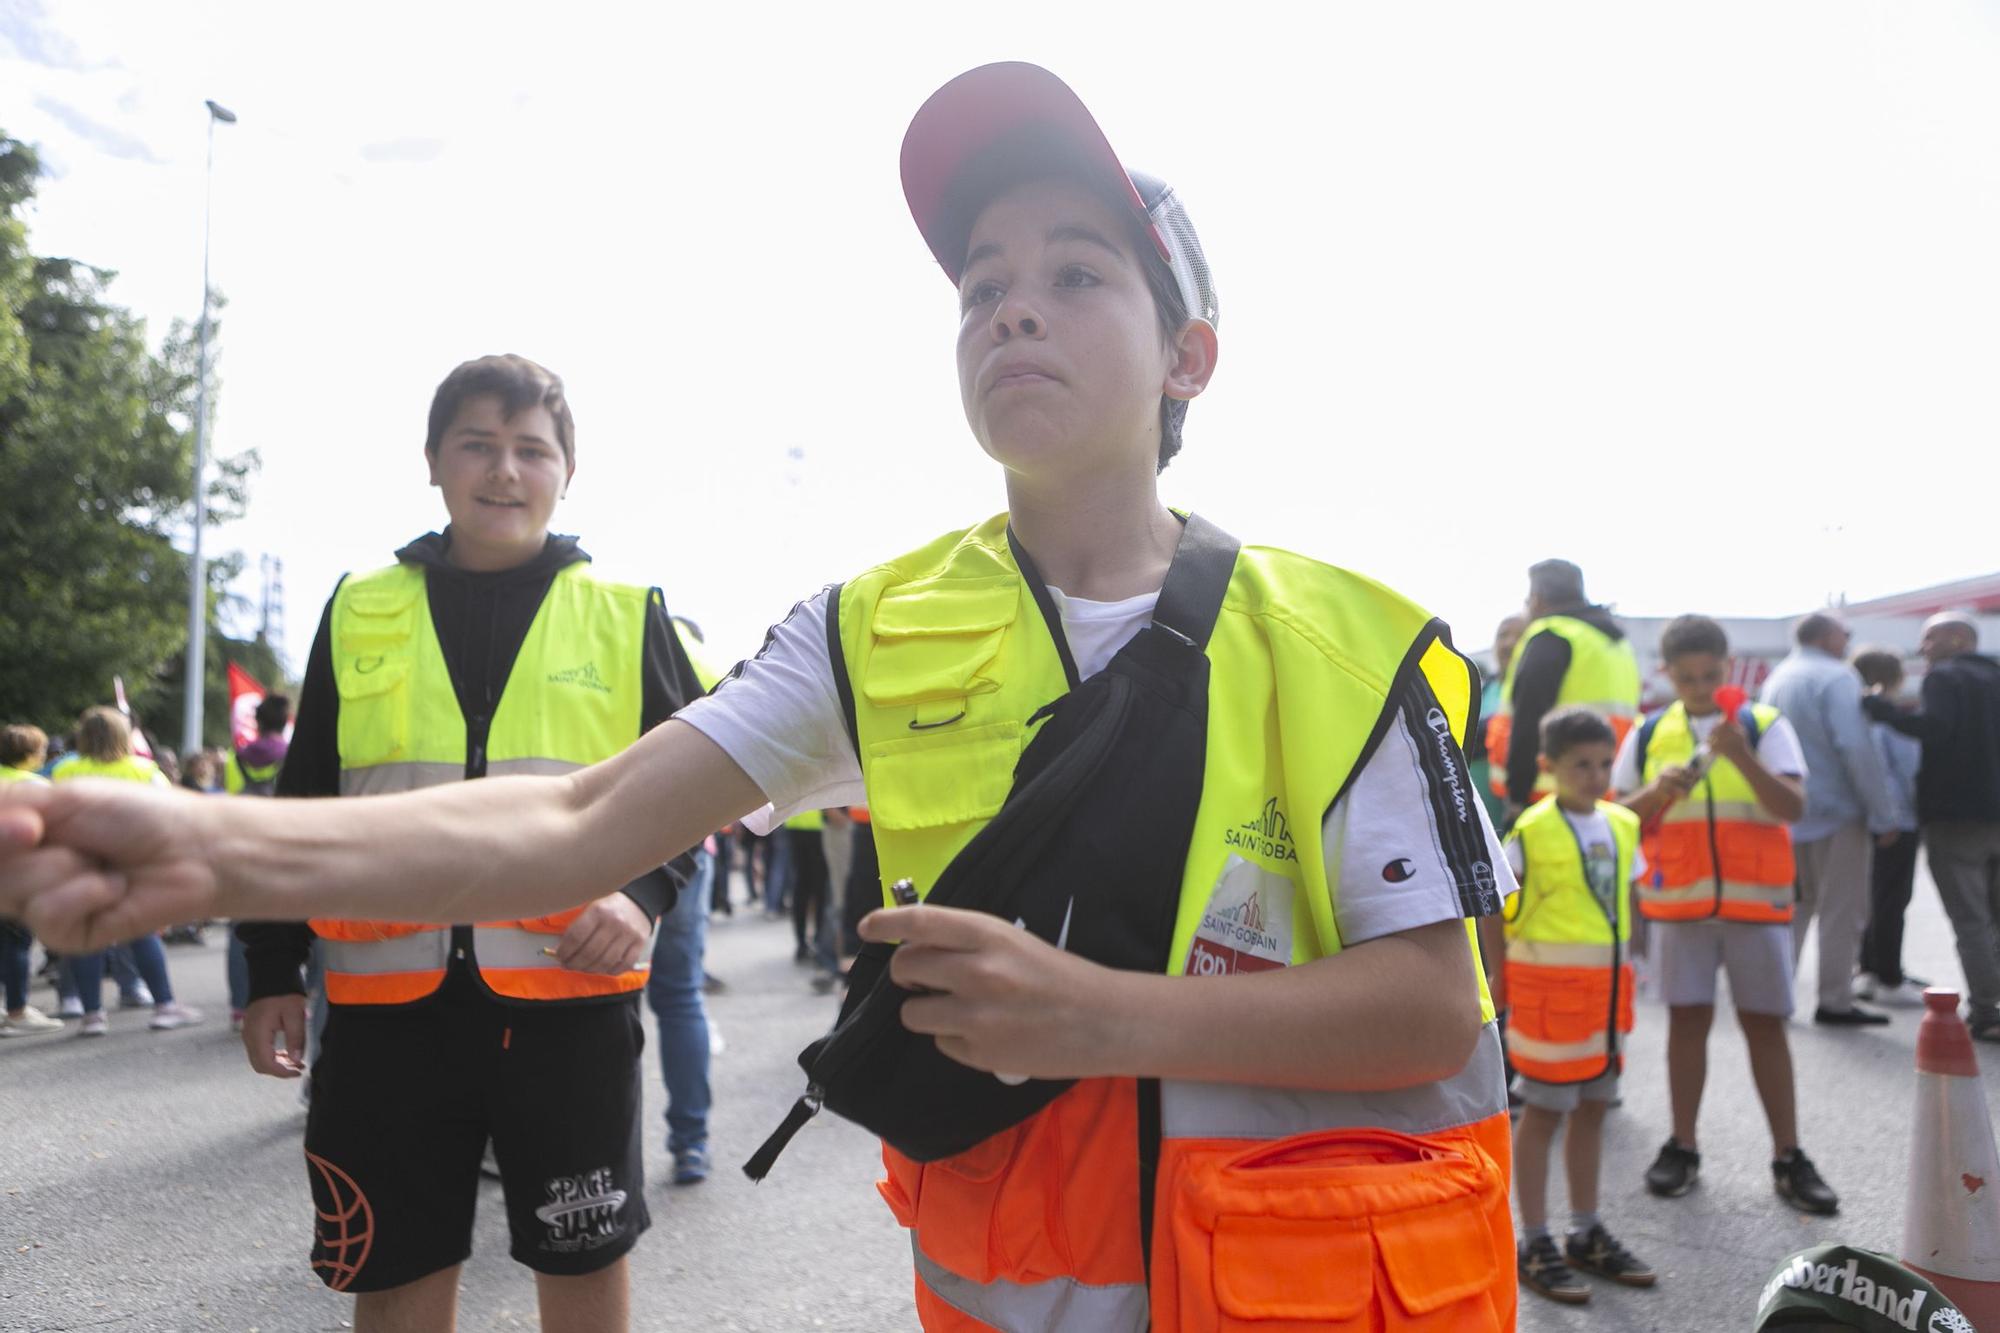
{"x": 1387, "y": 1208}
{"x": 1603, "y": 675}
{"x": 1569, "y": 982}
{"x": 573, "y": 697}
{"x": 1716, "y": 851}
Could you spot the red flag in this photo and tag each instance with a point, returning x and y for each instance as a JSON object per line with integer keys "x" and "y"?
{"x": 245, "y": 693}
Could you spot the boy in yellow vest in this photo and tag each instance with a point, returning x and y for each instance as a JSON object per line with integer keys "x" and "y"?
{"x": 1716, "y": 793}
{"x": 1569, "y": 992}
{"x": 490, "y": 648}
{"x": 1292, "y": 1109}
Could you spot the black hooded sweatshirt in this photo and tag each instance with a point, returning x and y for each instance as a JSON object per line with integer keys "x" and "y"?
{"x": 1958, "y": 780}
{"x": 1541, "y": 664}
{"x": 481, "y": 619}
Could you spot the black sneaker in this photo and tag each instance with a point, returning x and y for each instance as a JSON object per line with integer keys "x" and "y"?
{"x": 1543, "y": 1270}
{"x": 1598, "y": 1251}
{"x": 1799, "y": 1184}
{"x": 1985, "y": 1029}
{"x": 1857, "y": 1017}
{"x": 1674, "y": 1171}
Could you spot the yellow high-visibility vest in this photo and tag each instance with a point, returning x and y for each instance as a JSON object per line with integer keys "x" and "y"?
{"x": 573, "y": 697}
{"x": 948, "y": 656}
{"x": 1603, "y": 675}
{"x": 1569, "y": 982}
{"x": 1717, "y": 852}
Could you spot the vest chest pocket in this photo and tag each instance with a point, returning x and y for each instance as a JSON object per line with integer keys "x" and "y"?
{"x": 374, "y": 656}
{"x": 933, "y": 644}
{"x": 939, "y": 779}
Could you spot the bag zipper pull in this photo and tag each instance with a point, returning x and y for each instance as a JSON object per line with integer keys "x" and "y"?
{"x": 804, "y": 1109}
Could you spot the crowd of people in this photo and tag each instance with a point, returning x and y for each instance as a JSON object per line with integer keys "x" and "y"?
{"x": 1244, "y": 743}
{"x": 1708, "y": 840}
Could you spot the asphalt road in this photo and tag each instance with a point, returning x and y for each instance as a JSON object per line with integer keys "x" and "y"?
{"x": 151, "y": 1182}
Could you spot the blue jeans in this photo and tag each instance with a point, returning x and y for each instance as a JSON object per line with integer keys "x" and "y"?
{"x": 674, "y": 993}
{"x": 151, "y": 960}
{"x": 778, "y": 871}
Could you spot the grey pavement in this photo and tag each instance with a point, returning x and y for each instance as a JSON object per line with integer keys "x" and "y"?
{"x": 151, "y": 1182}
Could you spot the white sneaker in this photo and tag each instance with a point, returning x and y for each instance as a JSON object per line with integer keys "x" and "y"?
{"x": 71, "y": 1007}
{"x": 27, "y": 1023}
{"x": 94, "y": 1025}
{"x": 1905, "y": 994}
{"x": 166, "y": 1017}
{"x": 716, "y": 1045}
{"x": 140, "y": 998}
{"x": 1864, "y": 986}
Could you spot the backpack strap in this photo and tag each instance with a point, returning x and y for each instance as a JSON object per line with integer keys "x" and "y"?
{"x": 1197, "y": 581}
{"x": 1646, "y": 730}
{"x": 1746, "y": 717}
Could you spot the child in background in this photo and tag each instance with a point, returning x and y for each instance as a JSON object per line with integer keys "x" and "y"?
{"x": 1716, "y": 794}
{"x": 1570, "y": 987}
{"x": 1881, "y": 979}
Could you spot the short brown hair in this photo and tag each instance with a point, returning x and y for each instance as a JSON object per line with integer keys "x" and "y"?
{"x": 1692, "y": 634}
{"x": 20, "y": 743}
{"x": 517, "y": 382}
{"x": 1566, "y": 728}
{"x": 103, "y": 734}
{"x": 1879, "y": 666}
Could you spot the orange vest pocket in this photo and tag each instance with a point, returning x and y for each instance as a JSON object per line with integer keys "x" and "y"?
{"x": 1680, "y": 855}
{"x": 1340, "y": 1230}
{"x": 1757, "y": 854}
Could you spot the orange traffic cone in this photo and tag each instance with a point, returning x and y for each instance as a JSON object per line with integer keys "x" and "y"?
{"x": 1951, "y": 1219}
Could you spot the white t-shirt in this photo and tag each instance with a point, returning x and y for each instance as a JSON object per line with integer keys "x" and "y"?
{"x": 779, "y": 717}
{"x": 1777, "y": 749}
{"x": 1600, "y": 853}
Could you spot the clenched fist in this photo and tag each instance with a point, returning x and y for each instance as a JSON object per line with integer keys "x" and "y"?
{"x": 90, "y": 863}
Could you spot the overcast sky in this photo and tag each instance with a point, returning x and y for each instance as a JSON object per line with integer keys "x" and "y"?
{"x": 1705, "y": 296}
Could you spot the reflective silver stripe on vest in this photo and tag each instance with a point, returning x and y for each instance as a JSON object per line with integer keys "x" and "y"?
{"x": 386, "y": 779}
{"x": 424, "y": 951}
{"x": 1057, "y": 1305}
{"x": 1236, "y": 1111}
{"x": 510, "y": 946}
{"x": 1703, "y": 890}
{"x": 530, "y": 768}
{"x": 1558, "y": 953}
{"x": 1555, "y": 1052}
{"x": 1726, "y": 812}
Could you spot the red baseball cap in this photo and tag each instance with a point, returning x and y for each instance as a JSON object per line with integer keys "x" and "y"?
{"x": 993, "y": 104}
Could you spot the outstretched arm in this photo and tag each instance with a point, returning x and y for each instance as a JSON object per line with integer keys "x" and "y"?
{"x": 87, "y": 864}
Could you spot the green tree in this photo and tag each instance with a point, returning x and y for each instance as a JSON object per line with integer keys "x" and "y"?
{"x": 96, "y": 452}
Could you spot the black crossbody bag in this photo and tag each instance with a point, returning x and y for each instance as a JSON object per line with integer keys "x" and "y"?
{"x": 1088, "y": 849}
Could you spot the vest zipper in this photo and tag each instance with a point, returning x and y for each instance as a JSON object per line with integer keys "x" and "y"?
{"x": 1610, "y": 911}
{"x": 1714, "y": 848}
{"x": 477, "y": 727}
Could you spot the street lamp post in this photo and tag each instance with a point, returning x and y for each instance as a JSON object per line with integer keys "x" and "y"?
{"x": 197, "y": 649}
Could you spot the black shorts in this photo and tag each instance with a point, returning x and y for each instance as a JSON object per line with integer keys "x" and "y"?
{"x": 404, "y": 1099}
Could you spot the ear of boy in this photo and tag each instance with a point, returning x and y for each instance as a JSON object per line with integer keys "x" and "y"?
{"x": 1195, "y": 350}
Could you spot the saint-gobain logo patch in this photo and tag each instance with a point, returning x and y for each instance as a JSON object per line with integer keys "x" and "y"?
{"x": 1247, "y": 924}
{"x": 585, "y": 675}
{"x": 581, "y": 1212}
{"x": 1267, "y": 834}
